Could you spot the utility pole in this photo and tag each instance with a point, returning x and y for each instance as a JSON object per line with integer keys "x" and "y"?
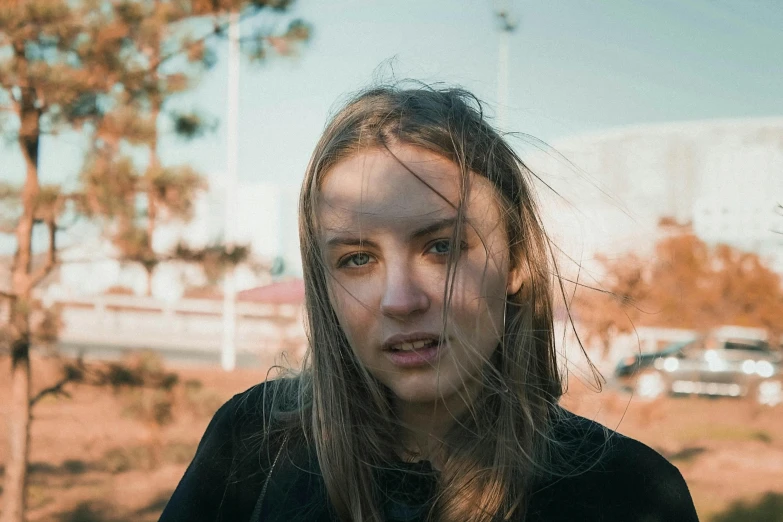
{"x": 507, "y": 25}
{"x": 228, "y": 346}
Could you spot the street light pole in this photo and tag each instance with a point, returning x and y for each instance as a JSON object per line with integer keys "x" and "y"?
{"x": 507, "y": 26}
{"x": 228, "y": 345}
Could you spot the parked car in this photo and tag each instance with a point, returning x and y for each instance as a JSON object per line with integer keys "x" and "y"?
{"x": 720, "y": 367}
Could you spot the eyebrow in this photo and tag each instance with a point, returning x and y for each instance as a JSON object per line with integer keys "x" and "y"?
{"x": 429, "y": 228}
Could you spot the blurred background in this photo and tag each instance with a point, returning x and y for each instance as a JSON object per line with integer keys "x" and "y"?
{"x": 149, "y": 173}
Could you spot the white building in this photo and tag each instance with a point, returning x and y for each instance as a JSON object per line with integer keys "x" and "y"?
{"x": 605, "y": 193}
{"x": 725, "y": 177}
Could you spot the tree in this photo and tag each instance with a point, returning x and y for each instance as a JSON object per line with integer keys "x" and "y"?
{"x": 609, "y": 310}
{"x": 169, "y": 59}
{"x": 693, "y": 285}
{"x": 684, "y": 284}
{"x": 45, "y": 84}
{"x": 100, "y": 67}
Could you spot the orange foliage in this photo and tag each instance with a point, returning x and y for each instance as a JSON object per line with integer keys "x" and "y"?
{"x": 685, "y": 284}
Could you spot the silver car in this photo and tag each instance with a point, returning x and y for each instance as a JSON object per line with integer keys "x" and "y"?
{"x": 728, "y": 367}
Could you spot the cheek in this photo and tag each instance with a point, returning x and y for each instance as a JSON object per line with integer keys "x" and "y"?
{"x": 350, "y": 298}
{"x": 478, "y": 301}
{"x": 353, "y": 312}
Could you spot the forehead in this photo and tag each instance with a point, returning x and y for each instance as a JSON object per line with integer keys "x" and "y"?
{"x": 403, "y": 186}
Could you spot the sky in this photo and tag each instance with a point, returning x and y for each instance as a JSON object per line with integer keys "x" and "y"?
{"x": 576, "y": 66}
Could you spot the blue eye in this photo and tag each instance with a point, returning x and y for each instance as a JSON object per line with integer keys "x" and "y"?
{"x": 357, "y": 259}
{"x": 441, "y": 247}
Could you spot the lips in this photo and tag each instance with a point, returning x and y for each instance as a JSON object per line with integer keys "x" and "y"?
{"x": 414, "y": 350}
{"x": 410, "y": 342}
{"x": 409, "y": 347}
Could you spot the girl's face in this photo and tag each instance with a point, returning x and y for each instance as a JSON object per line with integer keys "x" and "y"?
{"x": 387, "y": 237}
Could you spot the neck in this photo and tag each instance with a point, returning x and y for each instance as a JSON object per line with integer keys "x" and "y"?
{"x": 424, "y": 425}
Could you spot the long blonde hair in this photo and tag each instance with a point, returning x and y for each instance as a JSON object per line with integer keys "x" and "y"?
{"x": 499, "y": 447}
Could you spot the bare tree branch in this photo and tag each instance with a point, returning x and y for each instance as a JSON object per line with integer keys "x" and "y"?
{"x": 73, "y": 373}
{"x": 56, "y": 389}
{"x": 219, "y": 29}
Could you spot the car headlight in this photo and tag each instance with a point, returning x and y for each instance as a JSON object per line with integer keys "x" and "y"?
{"x": 749, "y": 366}
{"x": 670, "y": 364}
{"x": 764, "y": 369}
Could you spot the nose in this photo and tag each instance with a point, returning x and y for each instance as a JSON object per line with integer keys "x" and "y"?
{"x": 403, "y": 295}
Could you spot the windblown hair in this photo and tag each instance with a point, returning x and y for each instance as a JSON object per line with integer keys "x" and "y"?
{"x": 497, "y": 449}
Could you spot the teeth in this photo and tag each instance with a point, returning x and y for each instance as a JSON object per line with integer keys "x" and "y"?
{"x": 406, "y": 347}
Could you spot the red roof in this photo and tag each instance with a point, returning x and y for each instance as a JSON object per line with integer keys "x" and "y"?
{"x": 284, "y": 292}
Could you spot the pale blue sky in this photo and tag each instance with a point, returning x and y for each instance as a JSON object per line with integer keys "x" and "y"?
{"x": 576, "y": 66}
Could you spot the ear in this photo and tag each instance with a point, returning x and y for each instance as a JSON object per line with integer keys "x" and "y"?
{"x": 516, "y": 278}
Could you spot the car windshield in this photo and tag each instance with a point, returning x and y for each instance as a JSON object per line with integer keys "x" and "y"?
{"x": 755, "y": 346}
{"x": 669, "y": 349}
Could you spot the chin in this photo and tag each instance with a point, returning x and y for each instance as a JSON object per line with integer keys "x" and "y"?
{"x": 422, "y": 392}
{"x": 415, "y": 396}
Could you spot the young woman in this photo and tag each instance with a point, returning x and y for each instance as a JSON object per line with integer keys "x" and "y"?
{"x": 431, "y": 387}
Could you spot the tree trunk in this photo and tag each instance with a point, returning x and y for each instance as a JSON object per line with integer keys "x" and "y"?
{"x": 18, "y": 431}
{"x": 21, "y": 284}
{"x": 149, "y": 272}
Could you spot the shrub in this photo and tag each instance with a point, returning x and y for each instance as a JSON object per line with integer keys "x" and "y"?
{"x": 178, "y": 452}
{"x": 201, "y": 401}
{"x": 768, "y": 508}
{"x": 119, "y": 460}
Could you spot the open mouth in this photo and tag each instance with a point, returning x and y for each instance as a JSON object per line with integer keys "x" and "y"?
{"x": 417, "y": 345}
{"x": 415, "y": 354}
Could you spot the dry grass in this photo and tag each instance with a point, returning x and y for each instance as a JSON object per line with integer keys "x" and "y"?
{"x": 730, "y": 451}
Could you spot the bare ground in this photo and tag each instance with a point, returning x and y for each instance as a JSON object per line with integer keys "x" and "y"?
{"x": 93, "y": 460}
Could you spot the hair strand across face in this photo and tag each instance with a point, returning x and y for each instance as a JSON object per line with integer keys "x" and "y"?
{"x": 501, "y": 444}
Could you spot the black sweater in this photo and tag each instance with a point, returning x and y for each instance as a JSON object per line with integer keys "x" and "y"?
{"x": 614, "y": 478}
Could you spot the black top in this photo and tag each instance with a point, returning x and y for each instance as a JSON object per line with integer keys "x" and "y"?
{"x": 615, "y": 478}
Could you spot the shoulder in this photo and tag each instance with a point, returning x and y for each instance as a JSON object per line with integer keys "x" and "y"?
{"x": 257, "y": 403}
{"x": 223, "y": 480}
{"x": 252, "y": 411}
{"x": 606, "y": 473}
{"x": 590, "y": 445}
